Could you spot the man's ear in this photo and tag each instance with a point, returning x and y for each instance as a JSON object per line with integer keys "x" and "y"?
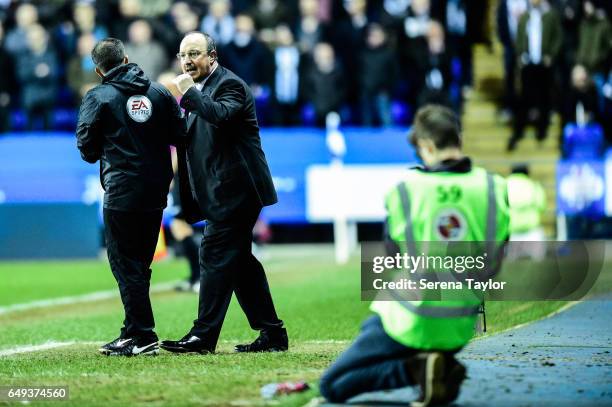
{"x": 425, "y": 144}
{"x": 213, "y": 55}
{"x": 99, "y": 73}
{"x": 125, "y": 59}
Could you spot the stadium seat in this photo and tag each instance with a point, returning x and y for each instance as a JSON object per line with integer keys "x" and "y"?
{"x": 18, "y": 120}
{"x": 308, "y": 115}
{"x": 583, "y": 142}
{"x": 401, "y": 112}
{"x": 65, "y": 119}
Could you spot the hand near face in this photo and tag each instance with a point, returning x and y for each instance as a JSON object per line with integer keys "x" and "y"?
{"x": 183, "y": 82}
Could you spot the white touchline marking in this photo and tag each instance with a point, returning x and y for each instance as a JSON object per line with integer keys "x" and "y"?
{"x": 35, "y": 348}
{"x": 285, "y": 254}
{"x": 96, "y": 296}
{"x": 54, "y": 345}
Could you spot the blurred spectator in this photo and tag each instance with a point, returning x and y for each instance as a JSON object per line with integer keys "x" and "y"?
{"x": 538, "y": 43}
{"x": 348, "y": 37}
{"x": 595, "y": 53}
{"x": 527, "y": 202}
{"x": 4, "y": 5}
{"x": 416, "y": 23}
{"x": 434, "y": 68}
{"x": 83, "y": 22}
{"x": 570, "y": 14}
{"x": 129, "y": 11}
{"x": 393, "y": 12}
{"x": 268, "y": 14}
{"x": 16, "y": 39}
{"x": 144, "y": 50}
{"x": 309, "y": 30}
{"x": 594, "y": 42}
{"x": 324, "y": 84}
{"x": 184, "y": 20}
{"x": 37, "y": 71}
{"x": 378, "y": 77}
{"x": 413, "y": 43}
{"x": 508, "y": 15}
{"x": 454, "y": 16}
{"x": 81, "y": 74}
{"x": 581, "y": 102}
{"x": 219, "y": 23}
{"x": 248, "y": 58}
{"x": 287, "y": 60}
{"x": 155, "y": 8}
{"x": 84, "y": 15}
{"x": 6, "y": 83}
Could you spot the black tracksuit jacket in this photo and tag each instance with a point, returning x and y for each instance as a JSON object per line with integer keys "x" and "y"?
{"x": 129, "y": 123}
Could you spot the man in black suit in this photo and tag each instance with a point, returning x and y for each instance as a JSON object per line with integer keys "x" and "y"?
{"x": 224, "y": 178}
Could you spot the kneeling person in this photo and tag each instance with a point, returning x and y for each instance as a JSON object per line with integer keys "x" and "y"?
{"x": 406, "y": 343}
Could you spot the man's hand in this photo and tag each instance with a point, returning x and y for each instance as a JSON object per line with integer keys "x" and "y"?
{"x": 183, "y": 82}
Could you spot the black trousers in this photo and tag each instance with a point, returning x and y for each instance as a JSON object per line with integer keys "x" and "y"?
{"x": 509, "y": 100}
{"x": 228, "y": 265}
{"x": 131, "y": 238}
{"x": 373, "y": 362}
{"x": 536, "y": 82}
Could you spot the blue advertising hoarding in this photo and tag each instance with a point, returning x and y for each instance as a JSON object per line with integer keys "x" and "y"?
{"x": 47, "y": 167}
{"x": 583, "y": 187}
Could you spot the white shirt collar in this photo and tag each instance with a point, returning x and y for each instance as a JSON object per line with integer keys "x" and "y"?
{"x": 200, "y": 85}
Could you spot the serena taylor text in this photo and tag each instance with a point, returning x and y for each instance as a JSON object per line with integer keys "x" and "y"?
{"x": 424, "y": 284}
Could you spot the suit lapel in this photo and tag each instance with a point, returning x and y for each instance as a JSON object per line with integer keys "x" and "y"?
{"x": 209, "y": 86}
{"x": 190, "y": 120}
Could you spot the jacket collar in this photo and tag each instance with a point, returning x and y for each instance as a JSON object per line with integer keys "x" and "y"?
{"x": 212, "y": 79}
{"x": 461, "y": 165}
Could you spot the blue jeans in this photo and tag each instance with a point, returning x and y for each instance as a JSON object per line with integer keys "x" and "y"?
{"x": 373, "y": 362}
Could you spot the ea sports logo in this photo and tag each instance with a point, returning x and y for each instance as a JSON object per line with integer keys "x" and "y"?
{"x": 450, "y": 225}
{"x": 139, "y": 108}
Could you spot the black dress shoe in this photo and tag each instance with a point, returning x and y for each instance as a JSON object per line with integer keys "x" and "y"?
{"x": 430, "y": 378}
{"x": 268, "y": 341}
{"x": 188, "y": 343}
{"x": 455, "y": 376}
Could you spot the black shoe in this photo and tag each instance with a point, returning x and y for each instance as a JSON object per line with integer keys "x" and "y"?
{"x": 455, "y": 376}
{"x": 188, "y": 343}
{"x": 113, "y": 345}
{"x": 135, "y": 346}
{"x": 431, "y": 381}
{"x": 267, "y": 341}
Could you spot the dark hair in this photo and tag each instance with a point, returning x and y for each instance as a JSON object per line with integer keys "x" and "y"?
{"x": 108, "y": 53}
{"x": 211, "y": 45}
{"x": 438, "y": 124}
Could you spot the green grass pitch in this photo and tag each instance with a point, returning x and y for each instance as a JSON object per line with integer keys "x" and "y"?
{"x": 318, "y": 300}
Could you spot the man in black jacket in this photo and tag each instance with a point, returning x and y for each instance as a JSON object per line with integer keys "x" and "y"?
{"x": 224, "y": 178}
{"x": 128, "y": 123}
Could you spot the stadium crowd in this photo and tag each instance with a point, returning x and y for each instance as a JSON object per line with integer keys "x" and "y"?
{"x": 374, "y": 61}
{"x": 559, "y": 51}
